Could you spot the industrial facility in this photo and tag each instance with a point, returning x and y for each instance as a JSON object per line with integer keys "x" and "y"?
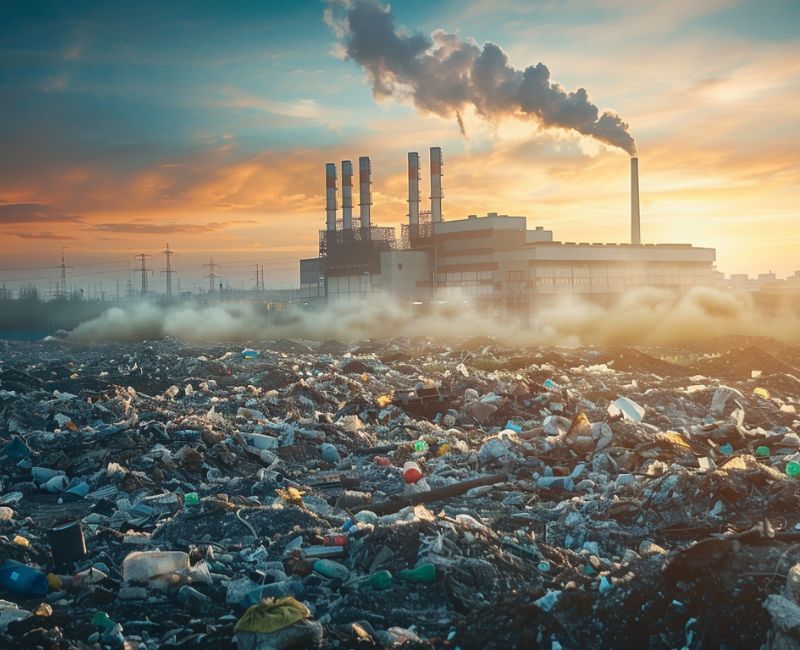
{"x": 494, "y": 260}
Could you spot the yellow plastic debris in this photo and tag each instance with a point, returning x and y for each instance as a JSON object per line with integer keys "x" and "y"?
{"x": 384, "y": 400}
{"x": 54, "y": 581}
{"x": 272, "y": 615}
{"x": 19, "y": 540}
{"x": 761, "y": 392}
{"x": 443, "y": 449}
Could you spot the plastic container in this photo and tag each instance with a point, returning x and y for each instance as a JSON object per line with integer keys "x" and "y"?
{"x": 193, "y": 600}
{"x": 191, "y": 499}
{"x": 291, "y": 587}
{"x": 422, "y": 573}
{"x": 22, "y": 580}
{"x": 411, "y": 472}
{"x": 140, "y": 566}
{"x": 793, "y": 468}
{"x": 378, "y": 580}
{"x": 329, "y": 453}
{"x": 67, "y": 543}
{"x": 331, "y": 569}
{"x": 762, "y": 451}
{"x": 420, "y": 445}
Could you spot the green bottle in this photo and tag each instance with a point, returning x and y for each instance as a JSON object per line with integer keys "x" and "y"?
{"x": 793, "y": 468}
{"x": 420, "y": 445}
{"x": 191, "y": 499}
{"x": 762, "y": 451}
{"x": 103, "y": 621}
{"x": 423, "y": 573}
{"x": 379, "y": 580}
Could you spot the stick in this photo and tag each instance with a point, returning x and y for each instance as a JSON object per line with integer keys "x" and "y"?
{"x": 398, "y": 502}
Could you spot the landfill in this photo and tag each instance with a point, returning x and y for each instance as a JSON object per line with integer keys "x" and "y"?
{"x": 399, "y": 493}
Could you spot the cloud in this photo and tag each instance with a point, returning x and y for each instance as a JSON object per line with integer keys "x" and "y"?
{"x": 34, "y": 213}
{"x": 42, "y": 235}
{"x": 165, "y": 229}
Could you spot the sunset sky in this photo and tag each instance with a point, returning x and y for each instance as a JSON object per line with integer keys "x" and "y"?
{"x": 207, "y": 125}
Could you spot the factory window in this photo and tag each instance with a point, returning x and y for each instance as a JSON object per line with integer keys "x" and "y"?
{"x": 400, "y": 266}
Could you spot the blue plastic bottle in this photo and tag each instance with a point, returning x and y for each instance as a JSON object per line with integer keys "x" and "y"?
{"x": 22, "y": 580}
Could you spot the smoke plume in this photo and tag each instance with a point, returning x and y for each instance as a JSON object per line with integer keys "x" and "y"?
{"x": 639, "y": 317}
{"x": 443, "y": 74}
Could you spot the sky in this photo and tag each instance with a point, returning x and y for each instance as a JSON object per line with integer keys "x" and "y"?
{"x": 206, "y": 125}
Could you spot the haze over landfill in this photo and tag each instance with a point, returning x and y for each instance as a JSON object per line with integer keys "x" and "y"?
{"x": 432, "y": 325}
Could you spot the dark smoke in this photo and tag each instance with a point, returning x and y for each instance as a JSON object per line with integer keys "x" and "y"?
{"x": 443, "y": 74}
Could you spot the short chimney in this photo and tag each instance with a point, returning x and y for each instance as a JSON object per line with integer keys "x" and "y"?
{"x": 330, "y": 196}
{"x": 413, "y": 188}
{"x": 636, "y": 235}
{"x": 436, "y": 184}
{"x": 347, "y": 195}
{"x": 365, "y": 191}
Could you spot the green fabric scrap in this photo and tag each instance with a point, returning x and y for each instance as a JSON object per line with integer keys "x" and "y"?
{"x": 272, "y": 615}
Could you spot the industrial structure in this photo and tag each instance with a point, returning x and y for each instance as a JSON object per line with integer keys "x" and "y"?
{"x": 494, "y": 260}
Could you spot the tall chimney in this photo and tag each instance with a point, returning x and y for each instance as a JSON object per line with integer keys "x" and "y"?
{"x": 436, "y": 184}
{"x": 364, "y": 190}
{"x": 347, "y": 195}
{"x": 636, "y": 236}
{"x": 413, "y": 188}
{"x": 330, "y": 196}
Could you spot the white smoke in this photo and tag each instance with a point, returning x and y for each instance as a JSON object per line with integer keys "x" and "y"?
{"x": 443, "y": 74}
{"x": 640, "y": 316}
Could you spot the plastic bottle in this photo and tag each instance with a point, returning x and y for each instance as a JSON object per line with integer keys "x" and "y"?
{"x": 291, "y": 587}
{"x": 411, "y": 472}
{"x": 378, "y": 580}
{"x": 103, "y": 621}
{"x": 140, "y": 566}
{"x": 22, "y": 580}
{"x": 422, "y": 573}
{"x": 193, "y": 600}
{"x": 420, "y": 445}
{"x": 191, "y": 499}
{"x": 331, "y": 569}
{"x": 793, "y": 468}
{"x": 762, "y": 451}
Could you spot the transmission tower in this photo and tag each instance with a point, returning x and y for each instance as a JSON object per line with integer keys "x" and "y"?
{"x": 143, "y": 270}
{"x": 61, "y": 290}
{"x": 211, "y": 275}
{"x": 168, "y": 271}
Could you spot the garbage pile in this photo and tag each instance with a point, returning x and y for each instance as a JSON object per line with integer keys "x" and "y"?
{"x": 400, "y": 493}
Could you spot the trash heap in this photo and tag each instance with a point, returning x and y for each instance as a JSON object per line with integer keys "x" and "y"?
{"x": 399, "y": 493}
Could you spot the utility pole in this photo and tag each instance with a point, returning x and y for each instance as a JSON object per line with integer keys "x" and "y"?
{"x": 168, "y": 271}
{"x": 212, "y": 276}
{"x": 61, "y": 290}
{"x": 143, "y": 257}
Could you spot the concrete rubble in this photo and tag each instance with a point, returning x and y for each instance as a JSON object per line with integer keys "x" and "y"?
{"x": 296, "y": 494}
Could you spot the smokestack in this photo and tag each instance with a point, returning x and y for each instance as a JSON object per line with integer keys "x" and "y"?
{"x": 636, "y": 237}
{"x": 330, "y": 196}
{"x": 347, "y": 195}
{"x": 436, "y": 184}
{"x": 364, "y": 190}
{"x": 413, "y": 188}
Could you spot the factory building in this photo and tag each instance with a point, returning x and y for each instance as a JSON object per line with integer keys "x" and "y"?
{"x": 494, "y": 260}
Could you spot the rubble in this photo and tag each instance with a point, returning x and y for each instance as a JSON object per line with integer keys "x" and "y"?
{"x": 403, "y": 492}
